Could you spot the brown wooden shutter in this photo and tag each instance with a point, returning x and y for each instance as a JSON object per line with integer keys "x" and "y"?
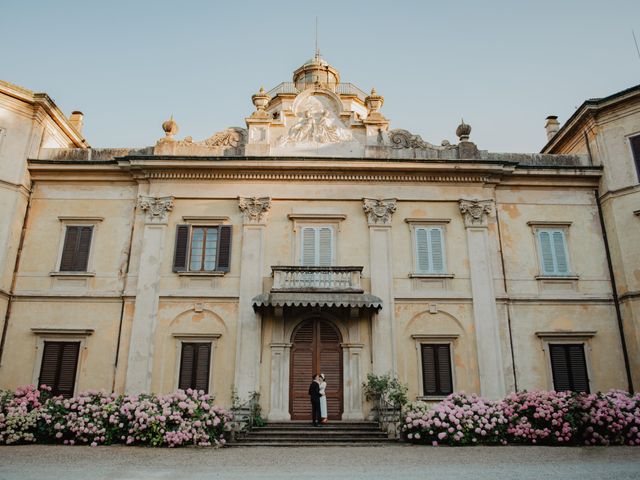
{"x": 224, "y": 249}
{"x": 59, "y": 366}
{"x": 578, "y": 368}
{"x": 84, "y": 243}
{"x": 436, "y": 369}
{"x": 75, "y": 251}
{"x": 194, "y": 366}
{"x": 560, "y": 368}
{"x": 181, "y": 249}
{"x": 569, "y": 368}
{"x": 444, "y": 369}
{"x": 69, "y": 249}
{"x": 49, "y": 365}
{"x": 635, "y": 150}
{"x": 203, "y": 360}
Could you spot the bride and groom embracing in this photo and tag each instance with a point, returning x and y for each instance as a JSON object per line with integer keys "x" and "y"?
{"x": 317, "y": 392}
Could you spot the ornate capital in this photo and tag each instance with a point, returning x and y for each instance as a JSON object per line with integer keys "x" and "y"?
{"x": 156, "y": 208}
{"x": 255, "y": 209}
{"x": 379, "y": 211}
{"x": 475, "y": 212}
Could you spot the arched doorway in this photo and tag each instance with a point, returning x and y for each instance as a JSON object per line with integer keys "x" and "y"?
{"x": 315, "y": 349}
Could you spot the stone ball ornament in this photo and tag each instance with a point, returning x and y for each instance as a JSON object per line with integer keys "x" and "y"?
{"x": 463, "y": 131}
{"x": 170, "y": 127}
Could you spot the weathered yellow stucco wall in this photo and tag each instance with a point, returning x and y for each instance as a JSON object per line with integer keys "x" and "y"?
{"x": 425, "y": 307}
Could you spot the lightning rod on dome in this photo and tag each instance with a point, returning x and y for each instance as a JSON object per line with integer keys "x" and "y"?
{"x": 317, "y": 49}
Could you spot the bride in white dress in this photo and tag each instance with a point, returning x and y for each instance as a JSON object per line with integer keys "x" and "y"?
{"x": 323, "y": 399}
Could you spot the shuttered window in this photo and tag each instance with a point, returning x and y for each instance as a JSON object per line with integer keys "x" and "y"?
{"x": 75, "y": 251}
{"x": 58, "y": 367}
{"x": 317, "y": 246}
{"x": 635, "y": 151}
{"x": 194, "y": 366}
{"x": 552, "y": 245}
{"x": 569, "y": 367}
{"x": 202, "y": 248}
{"x": 436, "y": 369}
{"x": 429, "y": 250}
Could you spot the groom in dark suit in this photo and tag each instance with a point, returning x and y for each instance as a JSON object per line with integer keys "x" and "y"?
{"x": 314, "y": 393}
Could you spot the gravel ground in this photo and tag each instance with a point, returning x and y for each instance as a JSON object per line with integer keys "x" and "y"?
{"x": 391, "y": 461}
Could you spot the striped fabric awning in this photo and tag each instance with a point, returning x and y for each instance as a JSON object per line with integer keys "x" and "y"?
{"x": 292, "y": 299}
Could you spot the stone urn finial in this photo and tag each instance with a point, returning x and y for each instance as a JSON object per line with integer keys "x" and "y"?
{"x": 463, "y": 131}
{"x": 374, "y": 102}
{"x": 170, "y": 128}
{"x": 260, "y": 100}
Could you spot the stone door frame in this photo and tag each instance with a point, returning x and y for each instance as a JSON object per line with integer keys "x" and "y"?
{"x": 352, "y": 368}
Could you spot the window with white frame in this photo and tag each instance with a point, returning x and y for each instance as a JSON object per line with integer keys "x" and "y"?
{"x": 202, "y": 248}
{"x": 552, "y": 250}
{"x": 317, "y": 246}
{"x": 429, "y": 249}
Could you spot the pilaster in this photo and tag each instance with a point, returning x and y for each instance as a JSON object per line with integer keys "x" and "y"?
{"x": 485, "y": 312}
{"x": 141, "y": 348}
{"x": 247, "y": 375}
{"x": 383, "y": 340}
{"x": 279, "y": 400}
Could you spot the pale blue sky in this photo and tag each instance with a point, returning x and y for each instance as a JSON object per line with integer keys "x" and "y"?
{"x": 502, "y": 65}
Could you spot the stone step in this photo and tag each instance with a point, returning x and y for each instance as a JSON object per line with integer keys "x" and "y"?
{"x": 335, "y": 425}
{"x": 314, "y": 434}
{"x": 309, "y": 444}
{"x": 323, "y": 428}
{"x": 302, "y": 433}
{"x": 307, "y": 440}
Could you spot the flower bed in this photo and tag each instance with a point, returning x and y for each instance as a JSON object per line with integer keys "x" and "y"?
{"x": 94, "y": 418}
{"x": 530, "y": 418}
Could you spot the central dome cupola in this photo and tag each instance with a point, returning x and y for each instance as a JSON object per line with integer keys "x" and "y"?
{"x": 316, "y": 71}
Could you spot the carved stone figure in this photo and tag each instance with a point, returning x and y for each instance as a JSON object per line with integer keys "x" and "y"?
{"x": 255, "y": 209}
{"x": 231, "y": 137}
{"x": 475, "y": 212}
{"x": 318, "y": 124}
{"x": 156, "y": 208}
{"x": 379, "y": 211}
{"x": 326, "y": 132}
{"x": 401, "y": 138}
{"x": 302, "y": 130}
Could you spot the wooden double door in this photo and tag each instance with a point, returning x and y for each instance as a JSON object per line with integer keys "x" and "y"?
{"x": 315, "y": 349}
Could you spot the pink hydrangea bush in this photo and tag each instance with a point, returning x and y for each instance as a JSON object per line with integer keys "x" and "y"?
{"x": 609, "y": 419}
{"x": 541, "y": 417}
{"x": 83, "y": 419}
{"x": 181, "y": 418}
{"x": 98, "y": 418}
{"x": 19, "y": 414}
{"x": 459, "y": 419}
{"x": 531, "y": 418}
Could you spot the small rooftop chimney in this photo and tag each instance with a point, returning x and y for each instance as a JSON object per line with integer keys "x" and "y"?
{"x": 551, "y": 126}
{"x": 77, "y": 120}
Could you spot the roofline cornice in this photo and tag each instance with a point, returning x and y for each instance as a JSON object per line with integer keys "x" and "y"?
{"x": 46, "y": 102}
{"x": 587, "y": 112}
{"x": 140, "y": 168}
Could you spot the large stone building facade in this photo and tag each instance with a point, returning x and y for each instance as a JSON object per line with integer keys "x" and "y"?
{"x": 315, "y": 239}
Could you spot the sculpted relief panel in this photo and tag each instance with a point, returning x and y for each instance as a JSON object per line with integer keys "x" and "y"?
{"x": 317, "y": 122}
